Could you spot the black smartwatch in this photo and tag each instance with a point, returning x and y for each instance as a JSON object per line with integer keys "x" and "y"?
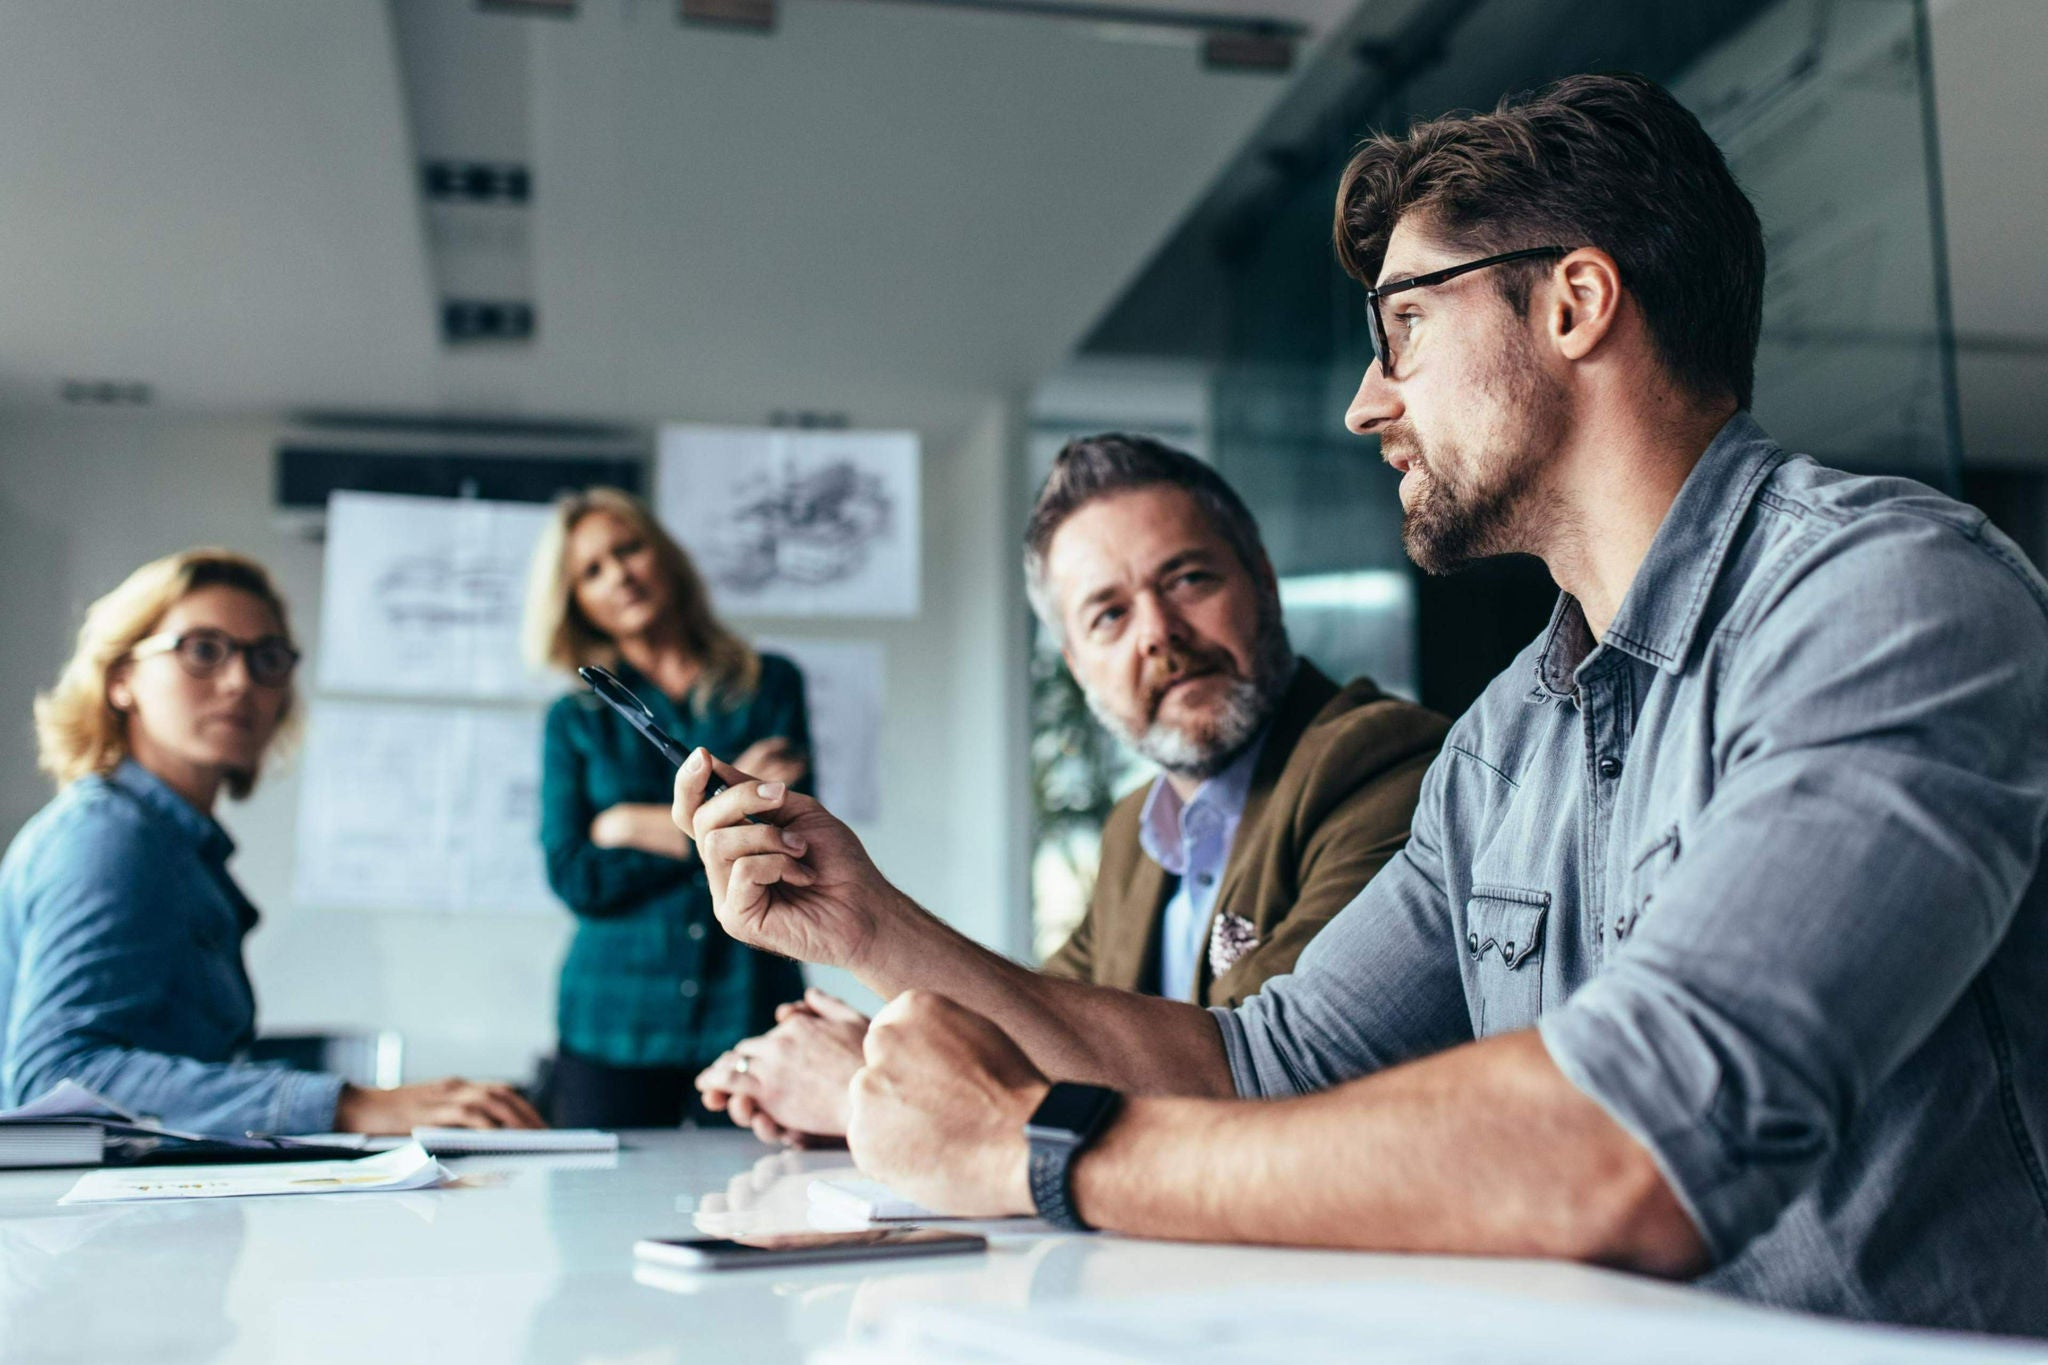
{"x": 1068, "y": 1119}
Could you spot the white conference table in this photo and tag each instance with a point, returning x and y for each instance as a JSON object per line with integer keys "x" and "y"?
{"x": 530, "y": 1259}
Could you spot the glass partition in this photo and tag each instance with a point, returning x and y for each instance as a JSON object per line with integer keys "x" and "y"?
{"x": 1823, "y": 108}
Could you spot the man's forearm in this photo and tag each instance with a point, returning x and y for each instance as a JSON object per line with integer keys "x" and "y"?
{"x": 1071, "y": 1030}
{"x": 1486, "y": 1149}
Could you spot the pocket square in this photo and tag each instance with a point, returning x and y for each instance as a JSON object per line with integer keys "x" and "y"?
{"x": 1230, "y": 940}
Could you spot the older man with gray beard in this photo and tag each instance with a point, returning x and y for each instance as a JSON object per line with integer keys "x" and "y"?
{"x": 1280, "y": 794}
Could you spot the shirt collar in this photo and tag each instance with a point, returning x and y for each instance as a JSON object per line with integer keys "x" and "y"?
{"x": 1161, "y": 822}
{"x": 1661, "y": 614}
{"x": 155, "y": 795}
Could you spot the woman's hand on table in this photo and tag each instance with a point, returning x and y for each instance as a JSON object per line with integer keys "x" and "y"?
{"x": 449, "y": 1103}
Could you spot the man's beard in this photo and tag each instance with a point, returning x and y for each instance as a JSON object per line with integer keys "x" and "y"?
{"x": 1489, "y": 508}
{"x": 1243, "y": 711}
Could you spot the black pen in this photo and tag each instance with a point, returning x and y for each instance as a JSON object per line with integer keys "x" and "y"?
{"x": 620, "y": 698}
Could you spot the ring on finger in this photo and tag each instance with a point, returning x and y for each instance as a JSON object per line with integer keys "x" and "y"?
{"x": 741, "y": 1067}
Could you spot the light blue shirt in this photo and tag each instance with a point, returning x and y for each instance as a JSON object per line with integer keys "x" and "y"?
{"x": 1192, "y": 841}
{"x": 121, "y": 965}
{"x": 1762, "y": 867}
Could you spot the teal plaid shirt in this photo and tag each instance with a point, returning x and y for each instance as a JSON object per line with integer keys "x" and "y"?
{"x": 650, "y": 979}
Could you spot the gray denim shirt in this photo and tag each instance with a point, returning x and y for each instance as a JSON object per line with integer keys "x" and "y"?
{"x": 1762, "y": 867}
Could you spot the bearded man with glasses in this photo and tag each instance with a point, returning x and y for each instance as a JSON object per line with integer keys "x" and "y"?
{"x": 1718, "y": 945}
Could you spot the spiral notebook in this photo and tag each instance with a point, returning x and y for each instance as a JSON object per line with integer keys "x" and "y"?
{"x": 513, "y": 1141}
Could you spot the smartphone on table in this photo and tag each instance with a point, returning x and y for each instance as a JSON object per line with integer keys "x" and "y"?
{"x": 804, "y": 1248}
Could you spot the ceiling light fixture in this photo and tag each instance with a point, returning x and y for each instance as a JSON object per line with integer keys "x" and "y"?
{"x": 756, "y": 16}
{"x": 1228, "y": 42}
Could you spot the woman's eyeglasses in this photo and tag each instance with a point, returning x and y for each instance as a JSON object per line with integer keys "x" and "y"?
{"x": 1382, "y": 342}
{"x": 205, "y": 652}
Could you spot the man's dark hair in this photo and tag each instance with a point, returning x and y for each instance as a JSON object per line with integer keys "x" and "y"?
{"x": 1094, "y": 467}
{"x": 1607, "y": 161}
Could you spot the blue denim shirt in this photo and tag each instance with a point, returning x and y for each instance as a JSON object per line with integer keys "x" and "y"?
{"x": 121, "y": 965}
{"x": 1762, "y": 866}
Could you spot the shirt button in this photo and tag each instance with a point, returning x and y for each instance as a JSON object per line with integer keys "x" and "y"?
{"x": 696, "y": 931}
{"x": 1472, "y": 942}
{"x": 1610, "y": 767}
{"x": 1206, "y": 879}
{"x": 689, "y": 990}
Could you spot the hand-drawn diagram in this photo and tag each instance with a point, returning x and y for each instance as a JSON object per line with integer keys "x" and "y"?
{"x": 436, "y": 592}
{"x": 421, "y": 807}
{"x": 796, "y": 523}
{"x": 814, "y": 528}
{"x": 423, "y": 597}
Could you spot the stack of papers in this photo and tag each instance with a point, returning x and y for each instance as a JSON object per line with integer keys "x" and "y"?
{"x": 28, "y": 1142}
{"x": 407, "y": 1168}
{"x": 69, "y": 1125}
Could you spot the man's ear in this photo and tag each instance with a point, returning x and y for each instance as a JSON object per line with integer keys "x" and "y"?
{"x": 1584, "y": 300}
{"x": 1263, "y": 572}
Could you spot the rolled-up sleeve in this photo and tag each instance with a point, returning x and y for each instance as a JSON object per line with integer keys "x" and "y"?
{"x": 1882, "y": 755}
{"x": 1380, "y": 985}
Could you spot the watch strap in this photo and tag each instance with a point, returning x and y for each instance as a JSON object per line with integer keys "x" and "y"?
{"x": 1052, "y": 1153}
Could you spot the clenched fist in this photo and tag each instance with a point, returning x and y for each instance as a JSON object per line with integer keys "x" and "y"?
{"x": 938, "y": 1112}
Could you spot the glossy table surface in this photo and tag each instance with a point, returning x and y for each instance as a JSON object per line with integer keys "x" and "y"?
{"x": 531, "y": 1259}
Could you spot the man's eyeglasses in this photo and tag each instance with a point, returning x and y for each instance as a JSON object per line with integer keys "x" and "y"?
{"x": 1382, "y": 340}
{"x": 205, "y": 652}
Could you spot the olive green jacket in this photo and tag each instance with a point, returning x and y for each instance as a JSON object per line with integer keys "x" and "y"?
{"x": 1330, "y": 803}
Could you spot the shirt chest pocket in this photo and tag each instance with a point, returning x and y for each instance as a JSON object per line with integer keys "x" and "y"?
{"x": 1646, "y": 872}
{"x": 1504, "y": 942}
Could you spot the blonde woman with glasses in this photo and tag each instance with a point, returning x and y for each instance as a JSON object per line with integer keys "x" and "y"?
{"x": 651, "y": 990}
{"x": 120, "y": 929}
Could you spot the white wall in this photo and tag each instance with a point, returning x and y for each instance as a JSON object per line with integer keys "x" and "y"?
{"x": 84, "y": 498}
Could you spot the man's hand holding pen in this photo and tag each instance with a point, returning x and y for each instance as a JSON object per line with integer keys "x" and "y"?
{"x": 785, "y": 874}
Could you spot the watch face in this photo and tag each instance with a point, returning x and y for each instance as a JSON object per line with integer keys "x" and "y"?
{"x": 1070, "y": 1108}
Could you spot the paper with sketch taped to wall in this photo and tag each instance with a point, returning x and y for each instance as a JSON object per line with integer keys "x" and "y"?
{"x": 421, "y": 597}
{"x": 407, "y": 806}
{"x": 796, "y": 523}
{"x": 843, "y": 694}
{"x": 406, "y": 1168}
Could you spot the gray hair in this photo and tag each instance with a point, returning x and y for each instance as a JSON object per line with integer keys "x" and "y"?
{"x": 1094, "y": 467}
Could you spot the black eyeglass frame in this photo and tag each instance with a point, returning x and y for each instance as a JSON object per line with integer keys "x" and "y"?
{"x": 174, "y": 644}
{"x": 1376, "y": 322}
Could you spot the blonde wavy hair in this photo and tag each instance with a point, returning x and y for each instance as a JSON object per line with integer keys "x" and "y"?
{"x": 558, "y": 635}
{"x": 78, "y": 731}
